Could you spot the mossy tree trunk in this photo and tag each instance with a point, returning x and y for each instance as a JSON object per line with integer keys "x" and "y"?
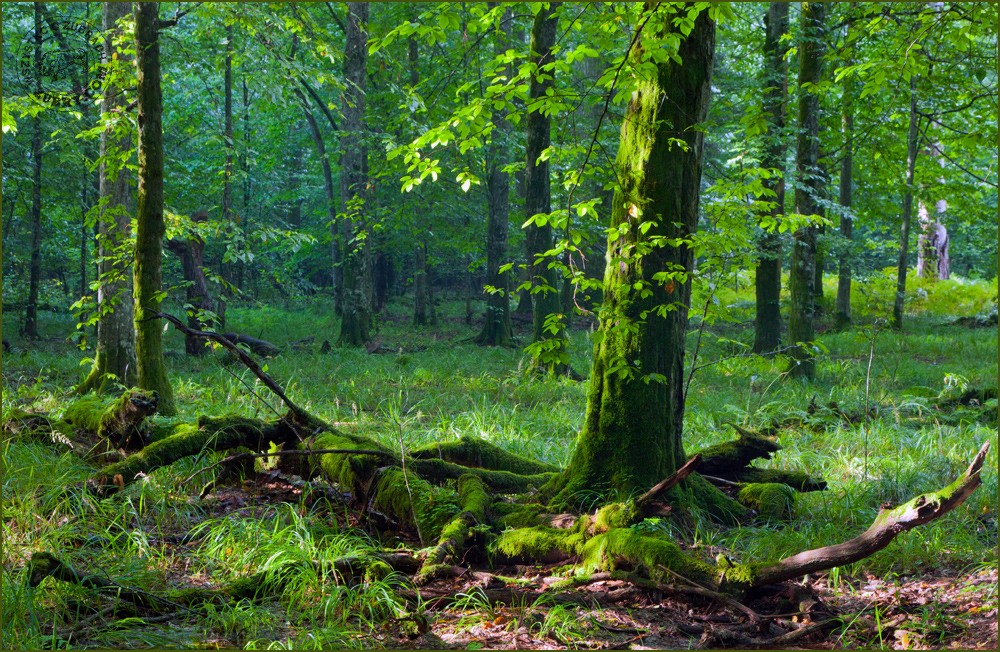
{"x": 357, "y": 281}
{"x": 149, "y": 225}
{"x": 912, "y": 142}
{"x": 843, "y": 306}
{"x": 767, "y": 325}
{"x": 802, "y": 276}
{"x": 115, "y": 354}
{"x": 497, "y": 327}
{"x": 537, "y": 195}
{"x": 35, "y": 264}
{"x": 631, "y": 437}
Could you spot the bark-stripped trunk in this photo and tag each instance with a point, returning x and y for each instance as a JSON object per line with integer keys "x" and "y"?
{"x": 912, "y": 138}
{"x": 115, "y": 328}
{"x": 357, "y": 282}
{"x": 149, "y": 224}
{"x": 35, "y": 265}
{"x": 497, "y": 328}
{"x": 807, "y": 189}
{"x": 631, "y": 437}
{"x": 537, "y": 199}
{"x": 843, "y": 309}
{"x": 767, "y": 325}
{"x": 191, "y": 251}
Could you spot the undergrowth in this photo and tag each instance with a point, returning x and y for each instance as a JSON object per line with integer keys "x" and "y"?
{"x": 435, "y": 384}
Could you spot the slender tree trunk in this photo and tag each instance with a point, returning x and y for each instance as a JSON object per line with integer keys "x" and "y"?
{"x": 329, "y": 194}
{"x": 537, "y": 199}
{"x": 115, "y": 355}
{"x": 35, "y": 266}
{"x": 229, "y": 273}
{"x": 245, "y": 168}
{"x": 807, "y": 189}
{"x": 497, "y": 328}
{"x": 150, "y": 227}
{"x": 357, "y": 283}
{"x": 767, "y": 285}
{"x": 912, "y": 141}
{"x": 843, "y": 309}
{"x": 631, "y": 436}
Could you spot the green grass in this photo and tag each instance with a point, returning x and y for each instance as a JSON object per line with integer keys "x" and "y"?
{"x": 442, "y": 386}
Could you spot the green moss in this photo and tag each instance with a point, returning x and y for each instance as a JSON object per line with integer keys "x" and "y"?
{"x": 794, "y": 479}
{"x": 696, "y": 493}
{"x": 514, "y": 515}
{"x": 85, "y": 413}
{"x": 477, "y": 452}
{"x": 438, "y": 470}
{"x": 473, "y": 496}
{"x": 413, "y": 501}
{"x": 351, "y": 472}
{"x": 537, "y": 543}
{"x": 615, "y": 515}
{"x": 771, "y": 500}
{"x": 737, "y": 578}
{"x": 651, "y": 554}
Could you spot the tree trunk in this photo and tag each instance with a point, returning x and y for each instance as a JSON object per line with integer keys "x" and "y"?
{"x": 497, "y": 328}
{"x": 631, "y": 437}
{"x": 357, "y": 263}
{"x": 149, "y": 223}
{"x": 843, "y": 309}
{"x": 932, "y": 248}
{"x": 228, "y": 269}
{"x": 35, "y": 266}
{"x": 115, "y": 355}
{"x": 767, "y": 325}
{"x": 331, "y": 199}
{"x": 537, "y": 199}
{"x": 807, "y": 189}
{"x": 904, "y": 231}
{"x": 191, "y": 252}
{"x": 420, "y": 285}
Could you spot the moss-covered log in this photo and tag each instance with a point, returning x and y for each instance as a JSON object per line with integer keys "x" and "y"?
{"x": 209, "y": 434}
{"x": 477, "y": 452}
{"x": 795, "y": 479}
{"x": 121, "y": 422}
{"x": 728, "y": 457}
{"x": 36, "y": 426}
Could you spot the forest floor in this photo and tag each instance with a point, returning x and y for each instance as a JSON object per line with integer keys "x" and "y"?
{"x": 934, "y": 587}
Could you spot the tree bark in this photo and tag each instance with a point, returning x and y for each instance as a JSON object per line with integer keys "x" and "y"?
{"x": 843, "y": 307}
{"x": 149, "y": 224}
{"x": 767, "y": 324}
{"x": 228, "y": 269}
{"x": 537, "y": 199}
{"x": 807, "y": 189}
{"x": 115, "y": 356}
{"x": 191, "y": 251}
{"x": 357, "y": 283}
{"x": 631, "y": 437}
{"x": 912, "y": 141}
{"x": 497, "y": 327}
{"x": 35, "y": 265}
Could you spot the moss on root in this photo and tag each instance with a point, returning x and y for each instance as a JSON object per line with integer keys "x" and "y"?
{"x": 477, "y": 452}
{"x": 538, "y": 544}
{"x": 696, "y": 493}
{"x": 437, "y": 470}
{"x": 795, "y": 479}
{"x": 650, "y": 554}
{"x": 771, "y": 500}
{"x": 514, "y": 515}
{"x": 413, "y": 501}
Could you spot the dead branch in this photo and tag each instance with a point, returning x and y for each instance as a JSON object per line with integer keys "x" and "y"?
{"x": 887, "y": 525}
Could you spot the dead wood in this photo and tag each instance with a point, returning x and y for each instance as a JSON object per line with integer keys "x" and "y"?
{"x": 887, "y": 525}
{"x": 670, "y": 481}
{"x": 256, "y": 346}
{"x": 301, "y": 415}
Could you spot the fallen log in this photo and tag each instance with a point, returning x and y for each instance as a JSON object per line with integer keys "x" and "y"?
{"x": 122, "y": 422}
{"x": 889, "y": 523}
